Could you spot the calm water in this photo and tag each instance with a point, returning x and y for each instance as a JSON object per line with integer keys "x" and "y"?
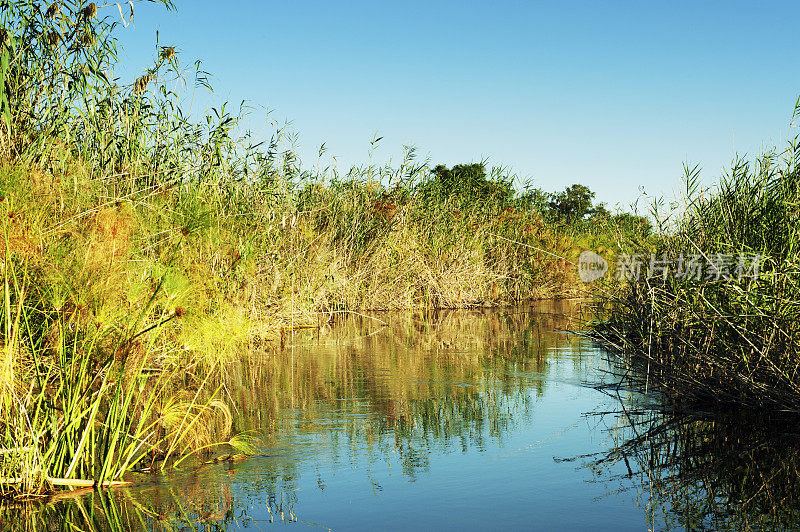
{"x": 453, "y": 420}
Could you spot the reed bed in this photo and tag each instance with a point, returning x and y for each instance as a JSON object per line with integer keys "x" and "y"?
{"x": 141, "y": 246}
{"x": 724, "y": 339}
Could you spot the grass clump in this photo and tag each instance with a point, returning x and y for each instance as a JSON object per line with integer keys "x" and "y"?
{"x": 729, "y": 337}
{"x": 140, "y": 247}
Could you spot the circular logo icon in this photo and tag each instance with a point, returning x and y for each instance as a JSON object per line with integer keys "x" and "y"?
{"x": 591, "y": 266}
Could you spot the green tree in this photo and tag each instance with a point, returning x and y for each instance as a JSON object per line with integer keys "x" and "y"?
{"x": 573, "y": 203}
{"x": 468, "y": 183}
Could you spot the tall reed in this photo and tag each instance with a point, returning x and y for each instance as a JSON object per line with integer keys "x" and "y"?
{"x": 141, "y": 246}
{"x": 729, "y": 338}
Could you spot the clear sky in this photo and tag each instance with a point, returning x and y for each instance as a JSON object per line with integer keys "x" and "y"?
{"x": 614, "y": 95}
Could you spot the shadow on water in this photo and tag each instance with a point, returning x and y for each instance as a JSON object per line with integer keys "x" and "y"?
{"x": 452, "y": 420}
{"x": 704, "y": 471}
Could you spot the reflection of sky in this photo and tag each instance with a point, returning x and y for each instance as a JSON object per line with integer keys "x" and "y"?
{"x": 508, "y": 482}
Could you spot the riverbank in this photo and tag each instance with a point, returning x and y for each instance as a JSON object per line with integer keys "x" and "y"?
{"x": 204, "y": 264}
{"x": 724, "y": 338}
{"x": 120, "y": 306}
{"x": 141, "y": 248}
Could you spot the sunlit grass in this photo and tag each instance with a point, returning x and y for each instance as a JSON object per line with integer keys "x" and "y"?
{"x": 141, "y": 247}
{"x": 731, "y": 341}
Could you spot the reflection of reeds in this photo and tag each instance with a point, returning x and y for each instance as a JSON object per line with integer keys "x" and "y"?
{"x": 118, "y": 511}
{"x": 420, "y": 384}
{"x": 708, "y": 472}
{"x": 428, "y": 377}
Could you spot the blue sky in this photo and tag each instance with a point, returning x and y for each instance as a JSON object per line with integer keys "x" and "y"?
{"x": 614, "y": 95}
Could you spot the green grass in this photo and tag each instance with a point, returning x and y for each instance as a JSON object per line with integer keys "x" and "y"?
{"x": 723, "y": 341}
{"x": 140, "y": 248}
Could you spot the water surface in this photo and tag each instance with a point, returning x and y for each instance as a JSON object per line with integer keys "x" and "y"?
{"x": 448, "y": 420}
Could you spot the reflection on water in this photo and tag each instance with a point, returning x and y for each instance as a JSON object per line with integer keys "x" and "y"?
{"x": 707, "y": 472}
{"x": 444, "y": 420}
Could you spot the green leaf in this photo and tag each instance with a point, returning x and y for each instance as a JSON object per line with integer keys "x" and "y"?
{"x": 5, "y": 106}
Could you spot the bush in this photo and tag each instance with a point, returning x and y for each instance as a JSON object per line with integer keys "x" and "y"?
{"x": 467, "y": 185}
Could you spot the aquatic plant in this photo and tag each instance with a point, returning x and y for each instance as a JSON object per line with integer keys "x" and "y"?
{"x": 732, "y": 337}
{"x": 704, "y": 471}
{"x": 141, "y": 246}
